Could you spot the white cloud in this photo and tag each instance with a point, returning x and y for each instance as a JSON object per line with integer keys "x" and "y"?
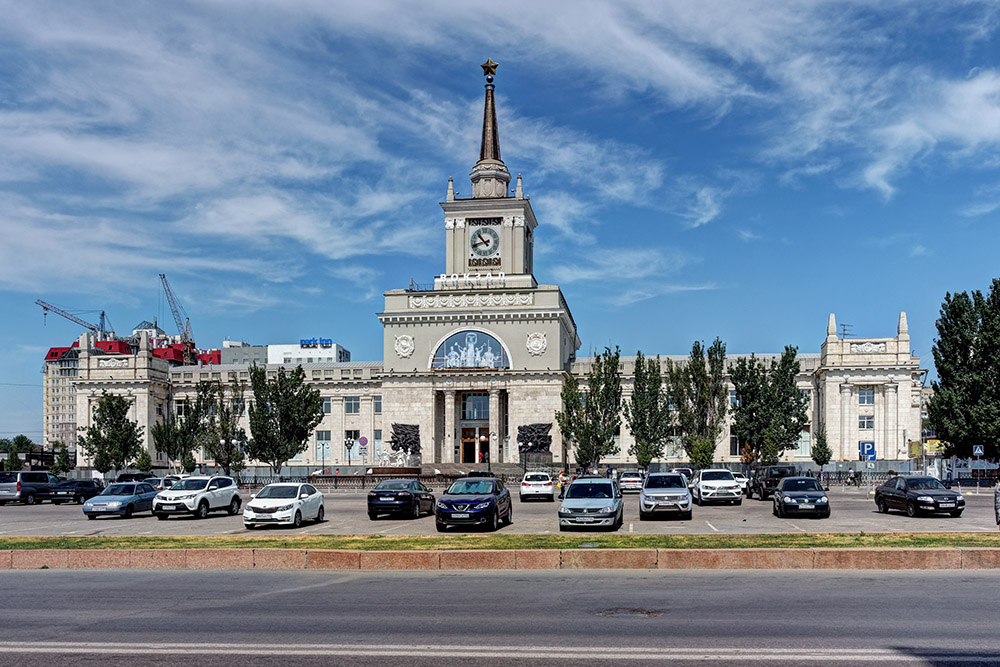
{"x": 746, "y": 235}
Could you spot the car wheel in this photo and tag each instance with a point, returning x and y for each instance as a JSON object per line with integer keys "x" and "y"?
{"x": 440, "y": 527}
{"x": 91, "y": 517}
{"x": 520, "y": 498}
{"x": 234, "y": 506}
{"x": 774, "y": 508}
{"x": 956, "y": 513}
{"x": 29, "y": 499}
{"x": 415, "y": 511}
{"x": 562, "y": 528}
{"x": 911, "y": 508}
{"x": 495, "y": 521}
{"x": 128, "y": 511}
{"x": 321, "y": 514}
{"x": 202, "y": 511}
{"x": 372, "y": 516}
{"x": 161, "y": 517}
{"x": 881, "y": 506}
{"x": 687, "y": 515}
{"x": 510, "y": 515}
{"x": 738, "y": 502}
{"x": 297, "y": 520}
{"x": 825, "y": 515}
{"x": 249, "y": 526}
{"x": 78, "y": 500}
{"x": 643, "y": 516}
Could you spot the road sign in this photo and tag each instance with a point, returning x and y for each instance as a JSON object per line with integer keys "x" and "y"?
{"x": 363, "y": 441}
{"x": 871, "y": 465}
{"x": 867, "y": 451}
{"x": 977, "y": 450}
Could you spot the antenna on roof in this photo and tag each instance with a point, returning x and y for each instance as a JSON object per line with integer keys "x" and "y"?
{"x": 845, "y": 330}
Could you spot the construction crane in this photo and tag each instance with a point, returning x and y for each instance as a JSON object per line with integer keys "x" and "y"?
{"x": 100, "y": 330}
{"x": 183, "y": 327}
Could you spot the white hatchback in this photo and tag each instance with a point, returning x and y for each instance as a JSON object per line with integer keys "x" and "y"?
{"x": 284, "y": 503}
{"x": 538, "y": 485}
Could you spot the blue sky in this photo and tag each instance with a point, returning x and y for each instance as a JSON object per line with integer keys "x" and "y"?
{"x": 699, "y": 169}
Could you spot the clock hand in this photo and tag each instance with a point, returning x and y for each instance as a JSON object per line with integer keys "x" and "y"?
{"x": 476, "y": 245}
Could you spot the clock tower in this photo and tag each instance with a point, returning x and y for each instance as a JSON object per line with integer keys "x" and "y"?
{"x": 491, "y": 234}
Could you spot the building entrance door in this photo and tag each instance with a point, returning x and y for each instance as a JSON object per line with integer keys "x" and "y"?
{"x": 475, "y": 444}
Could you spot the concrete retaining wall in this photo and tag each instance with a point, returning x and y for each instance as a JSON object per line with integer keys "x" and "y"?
{"x": 527, "y": 559}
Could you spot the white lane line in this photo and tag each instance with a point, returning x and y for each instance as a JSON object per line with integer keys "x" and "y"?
{"x": 631, "y": 527}
{"x": 798, "y": 528}
{"x": 712, "y": 527}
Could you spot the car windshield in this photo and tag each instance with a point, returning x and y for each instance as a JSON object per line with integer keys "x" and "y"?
{"x": 275, "y": 491}
{"x": 716, "y": 475}
{"x": 665, "y": 482}
{"x": 536, "y": 477}
{"x": 924, "y": 484}
{"x": 800, "y": 485}
{"x": 119, "y": 490}
{"x": 471, "y": 487}
{"x": 393, "y": 485}
{"x": 588, "y": 490}
{"x": 189, "y": 485}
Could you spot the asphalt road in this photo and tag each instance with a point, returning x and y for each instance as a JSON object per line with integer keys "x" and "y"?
{"x": 486, "y": 618}
{"x": 852, "y": 511}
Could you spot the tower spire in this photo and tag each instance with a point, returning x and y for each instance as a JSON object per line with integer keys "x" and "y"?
{"x": 490, "y": 177}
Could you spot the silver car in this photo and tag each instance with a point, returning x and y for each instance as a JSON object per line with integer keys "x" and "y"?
{"x": 592, "y": 501}
{"x": 665, "y": 493}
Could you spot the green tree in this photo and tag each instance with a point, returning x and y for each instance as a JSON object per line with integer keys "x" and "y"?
{"x": 570, "y": 417}
{"x": 965, "y": 407}
{"x": 223, "y": 438}
{"x": 61, "y": 464}
{"x": 143, "y": 463}
{"x": 647, "y": 412}
{"x": 590, "y": 418}
{"x": 177, "y": 435}
{"x": 769, "y": 408}
{"x": 821, "y": 452}
{"x": 5, "y": 444}
{"x": 188, "y": 463}
{"x": 112, "y": 437}
{"x": 13, "y": 462}
{"x": 283, "y": 415}
{"x": 698, "y": 393}
{"x": 702, "y": 453}
{"x": 22, "y": 443}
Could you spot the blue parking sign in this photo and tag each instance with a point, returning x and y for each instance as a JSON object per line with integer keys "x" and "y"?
{"x": 867, "y": 451}
{"x": 977, "y": 450}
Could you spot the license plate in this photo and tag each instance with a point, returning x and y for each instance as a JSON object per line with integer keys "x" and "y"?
{"x": 665, "y": 504}
{"x": 947, "y": 504}
{"x": 460, "y": 515}
{"x": 805, "y": 507}
{"x": 168, "y": 507}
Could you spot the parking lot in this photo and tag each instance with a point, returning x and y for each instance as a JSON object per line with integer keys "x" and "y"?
{"x": 852, "y": 511}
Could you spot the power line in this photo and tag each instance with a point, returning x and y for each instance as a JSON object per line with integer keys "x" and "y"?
{"x": 15, "y": 384}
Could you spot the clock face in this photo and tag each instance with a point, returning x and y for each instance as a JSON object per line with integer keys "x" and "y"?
{"x": 484, "y": 242}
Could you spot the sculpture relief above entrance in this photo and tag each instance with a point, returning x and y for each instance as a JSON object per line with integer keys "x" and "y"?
{"x": 470, "y": 349}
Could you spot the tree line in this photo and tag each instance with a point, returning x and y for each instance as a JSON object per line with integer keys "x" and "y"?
{"x": 684, "y": 406}
{"x": 282, "y": 413}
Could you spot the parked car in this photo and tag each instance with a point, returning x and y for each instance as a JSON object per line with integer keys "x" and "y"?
{"x": 630, "y": 481}
{"x": 76, "y": 490}
{"x": 400, "y": 496}
{"x": 716, "y": 485}
{"x": 284, "y": 502}
{"x": 801, "y": 495}
{"x": 123, "y": 499}
{"x": 198, "y": 496}
{"x": 765, "y": 480}
{"x": 743, "y": 481}
{"x": 134, "y": 476}
{"x": 475, "y": 501}
{"x": 665, "y": 493}
{"x": 592, "y": 502}
{"x": 687, "y": 472}
{"x": 537, "y": 485}
{"x": 26, "y": 486}
{"x": 916, "y": 495}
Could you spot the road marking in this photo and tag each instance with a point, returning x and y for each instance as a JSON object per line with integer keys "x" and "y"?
{"x": 712, "y": 527}
{"x": 630, "y": 526}
{"x": 797, "y": 528}
{"x": 565, "y": 653}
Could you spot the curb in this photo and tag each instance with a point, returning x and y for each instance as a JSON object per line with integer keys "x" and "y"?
{"x": 960, "y": 558}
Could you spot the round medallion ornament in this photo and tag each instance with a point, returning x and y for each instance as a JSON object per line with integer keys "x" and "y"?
{"x": 536, "y": 343}
{"x": 404, "y": 346}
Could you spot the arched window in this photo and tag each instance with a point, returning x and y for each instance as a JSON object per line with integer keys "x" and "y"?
{"x": 470, "y": 349}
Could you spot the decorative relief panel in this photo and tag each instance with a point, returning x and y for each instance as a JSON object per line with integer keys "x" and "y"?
{"x": 112, "y": 363}
{"x": 404, "y": 346}
{"x": 470, "y": 300}
{"x": 537, "y": 344}
{"x": 519, "y": 221}
{"x": 867, "y": 347}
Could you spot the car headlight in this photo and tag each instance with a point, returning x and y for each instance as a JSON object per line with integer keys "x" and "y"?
{"x": 960, "y": 499}
{"x": 115, "y": 503}
{"x": 184, "y": 497}
{"x": 925, "y": 499}
{"x": 284, "y": 508}
{"x": 565, "y": 510}
{"x": 788, "y": 499}
{"x": 608, "y": 509}
{"x": 824, "y": 499}
{"x": 442, "y": 506}
{"x": 482, "y": 506}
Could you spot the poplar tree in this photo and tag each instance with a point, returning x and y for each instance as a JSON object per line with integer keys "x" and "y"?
{"x": 647, "y": 412}
{"x": 821, "y": 452}
{"x": 112, "y": 439}
{"x": 699, "y": 395}
{"x": 283, "y": 415}
{"x": 590, "y": 417}
{"x": 223, "y": 438}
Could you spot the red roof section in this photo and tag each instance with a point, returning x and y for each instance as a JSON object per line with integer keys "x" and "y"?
{"x": 114, "y": 346}
{"x": 56, "y": 352}
{"x": 210, "y": 357}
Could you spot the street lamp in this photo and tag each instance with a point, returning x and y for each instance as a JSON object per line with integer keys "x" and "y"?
{"x": 349, "y": 444}
{"x": 482, "y": 439}
{"x": 222, "y": 444}
{"x": 524, "y": 457}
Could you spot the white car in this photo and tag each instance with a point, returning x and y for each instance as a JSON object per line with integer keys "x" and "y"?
{"x": 289, "y": 502}
{"x": 630, "y": 481}
{"x": 198, "y": 496}
{"x": 716, "y": 485}
{"x": 743, "y": 480}
{"x": 538, "y": 485}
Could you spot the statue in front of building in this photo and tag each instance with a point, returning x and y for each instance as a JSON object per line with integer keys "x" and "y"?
{"x": 405, "y": 442}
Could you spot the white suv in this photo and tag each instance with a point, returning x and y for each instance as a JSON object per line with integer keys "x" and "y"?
{"x": 198, "y": 496}
{"x": 716, "y": 484}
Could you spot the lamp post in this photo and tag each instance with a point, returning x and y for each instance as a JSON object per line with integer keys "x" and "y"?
{"x": 222, "y": 444}
{"x": 482, "y": 439}
{"x": 524, "y": 457}
{"x": 349, "y": 444}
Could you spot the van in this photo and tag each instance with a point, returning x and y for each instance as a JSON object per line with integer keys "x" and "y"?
{"x": 26, "y": 486}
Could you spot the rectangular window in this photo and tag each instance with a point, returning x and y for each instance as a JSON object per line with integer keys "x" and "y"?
{"x": 326, "y": 405}
{"x": 733, "y": 400}
{"x": 352, "y": 405}
{"x": 323, "y": 451}
{"x": 734, "y": 446}
{"x": 805, "y": 393}
{"x": 377, "y": 405}
{"x": 617, "y": 441}
{"x": 376, "y": 443}
{"x": 345, "y": 373}
{"x": 358, "y": 372}
{"x": 866, "y": 421}
{"x": 351, "y": 437}
{"x": 804, "y": 446}
{"x": 866, "y": 396}
{"x": 188, "y": 376}
{"x": 317, "y": 374}
{"x": 476, "y": 407}
{"x": 181, "y": 408}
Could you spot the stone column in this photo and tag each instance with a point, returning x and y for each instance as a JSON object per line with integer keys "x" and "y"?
{"x": 845, "y": 422}
{"x": 448, "y": 447}
{"x": 495, "y": 425}
{"x": 891, "y": 429}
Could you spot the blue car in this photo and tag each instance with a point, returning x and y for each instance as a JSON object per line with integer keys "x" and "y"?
{"x": 476, "y": 500}
{"x": 123, "y": 499}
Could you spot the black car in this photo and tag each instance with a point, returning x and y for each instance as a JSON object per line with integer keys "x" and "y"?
{"x": 133, "y": 476}
{"x": 400, "y": 496}
{"x": 476, "y": 500}
{"x": 795, "y": 496}
{"x": 918, "y": 494}
{"x": 76, "y": 490}
{"x": 765, "y": 480}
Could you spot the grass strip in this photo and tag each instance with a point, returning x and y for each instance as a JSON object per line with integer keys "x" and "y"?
{"x": 501, "y": 541}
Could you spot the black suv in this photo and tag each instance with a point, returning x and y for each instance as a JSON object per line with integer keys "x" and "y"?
{"x": 76, "y": 490}
{"x": 26, "y": 486}
{"x": 765, "y": 480}
{"x": 480, "y": 499}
